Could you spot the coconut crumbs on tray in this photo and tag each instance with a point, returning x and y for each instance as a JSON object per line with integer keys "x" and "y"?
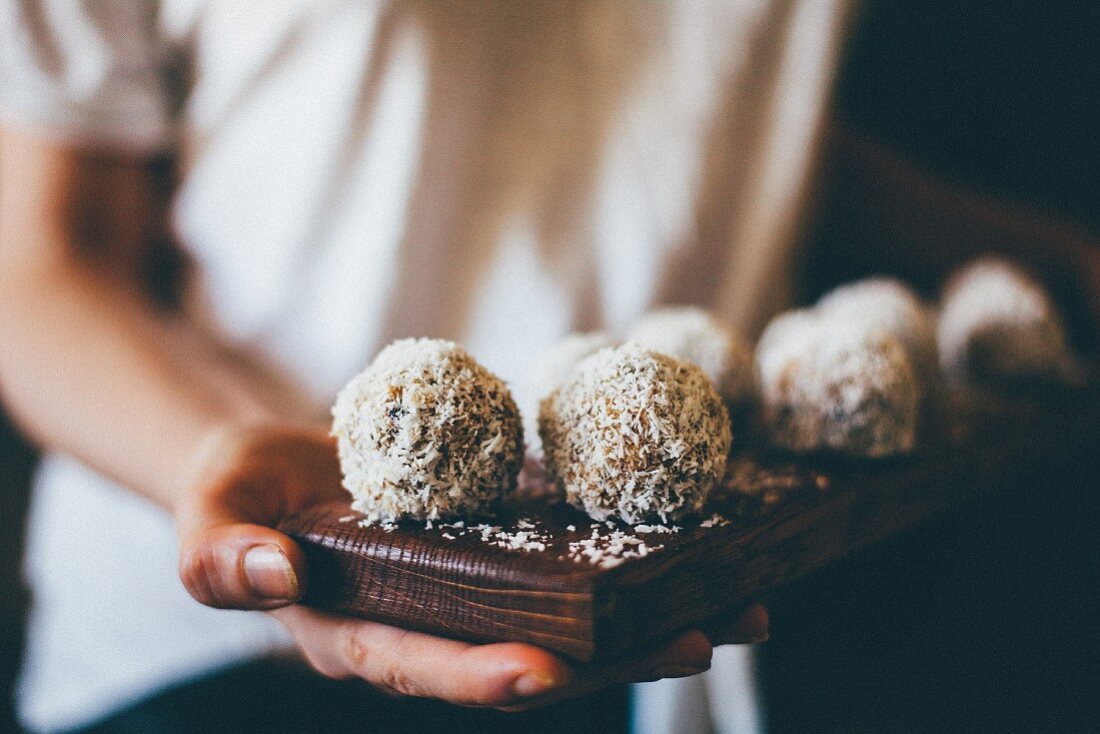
{"x": 714, "y": 521}
{"x": 607, "y": 546}
{"x": 609, "y": 550}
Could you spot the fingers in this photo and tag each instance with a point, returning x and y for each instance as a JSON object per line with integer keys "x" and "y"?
{"x": 510, "y": 676}
{"x": 417, "y": 664}
{"x": 245, "y": 481}
{"x": 747, "y": 627}
{"x": 687, "y": 654}
{"x": 242, "y": 566}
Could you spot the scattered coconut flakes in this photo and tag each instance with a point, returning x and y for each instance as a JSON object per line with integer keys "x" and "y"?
{"x": 487, "y": 530}
{"x": 347, "y": 518}
{"x": 610, "y": 549}
{"x": 749, "y": 477}
{"x": 657, "y": 528}
{"x": 528, "y": 538}
{"x": 606, "y": 546}
{"x": 714, "y": 521}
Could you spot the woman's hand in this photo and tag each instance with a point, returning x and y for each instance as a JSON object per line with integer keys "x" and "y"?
{"x": 244, "y": 482}
{"x": 507, "y": 675}
{"x": 247, "y": 480}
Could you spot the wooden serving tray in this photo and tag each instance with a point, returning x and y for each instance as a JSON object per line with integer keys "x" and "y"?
{"x": 785, "y": 519}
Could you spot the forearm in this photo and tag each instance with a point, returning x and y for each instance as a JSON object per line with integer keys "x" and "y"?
{"x": 88, "y": 364}
{"x": 86, "y": 368}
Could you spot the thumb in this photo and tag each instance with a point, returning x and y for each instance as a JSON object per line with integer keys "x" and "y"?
{"x": 241, "y": 566}
{"x": 230, "y": 556}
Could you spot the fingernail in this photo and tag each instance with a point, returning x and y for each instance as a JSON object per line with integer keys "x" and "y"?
{"x": 759, "y": 638}
{"x": 532, "y": 684}
{"x": 269, "y": 572}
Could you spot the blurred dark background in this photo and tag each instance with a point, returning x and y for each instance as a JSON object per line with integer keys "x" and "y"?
{"x": 999, "y": 94}
{"x": 984, "y": 619}
{"x": 987, "y": 618}
{"x": 16, "y": 463}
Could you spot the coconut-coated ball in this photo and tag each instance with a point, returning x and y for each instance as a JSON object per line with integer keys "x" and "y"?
{"x": 997, "y": 322}
{"x": 829, "y": 385}
{"x": 425, "y": 432}
{"x": 690, "y": 333}
{"x": 635, "y": 435}
{"x": 888, "y": 304}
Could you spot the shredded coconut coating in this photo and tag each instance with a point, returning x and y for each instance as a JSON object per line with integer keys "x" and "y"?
{"x": 783, "y": 328}
{"x": 425, "y": 432}
{"x": 998, "y": 322}
{"x": 635, "y": 435}
{"x": 827, "y": 384}
{"x": 890, "y": 305}
{"x": 693, "y": 334}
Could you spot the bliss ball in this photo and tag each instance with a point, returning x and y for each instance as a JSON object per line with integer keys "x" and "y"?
{"x": 425, "y": 432}
{"x": 828, "y": 385}
{"x": 887, "y": 304}
{"x": 635, "y": 435}
{"x": 783, "y": 328}
{"x": 996, "y": 322}
{"x": 693, "y": 334}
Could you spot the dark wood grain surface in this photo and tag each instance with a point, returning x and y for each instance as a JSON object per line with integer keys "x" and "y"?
{"x": 785, "y": 519}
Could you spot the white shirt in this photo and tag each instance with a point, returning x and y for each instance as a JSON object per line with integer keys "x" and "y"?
{"x": 352, "y": 172}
